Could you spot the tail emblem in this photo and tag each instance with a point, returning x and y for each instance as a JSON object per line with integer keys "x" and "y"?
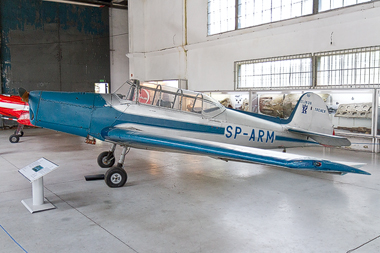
{"x": 304, "y": 109}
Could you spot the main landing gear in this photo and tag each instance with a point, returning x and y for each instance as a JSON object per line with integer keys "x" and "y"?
{"x": 116, "y": 176}
{"x": 14, "y": 138}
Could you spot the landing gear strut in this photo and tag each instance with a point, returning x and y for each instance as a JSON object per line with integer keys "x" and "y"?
{"x": 14, "y": 138}
{"x": 116, "y": 176}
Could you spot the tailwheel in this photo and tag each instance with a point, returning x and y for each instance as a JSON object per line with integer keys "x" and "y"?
{"x": 115, "y": 177}
{"x": 106, "y": 159}
{"x": 14, "y": 138}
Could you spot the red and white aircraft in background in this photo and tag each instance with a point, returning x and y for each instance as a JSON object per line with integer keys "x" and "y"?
{"x": 13, "y": 108}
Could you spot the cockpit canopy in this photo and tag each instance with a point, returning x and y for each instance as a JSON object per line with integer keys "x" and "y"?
{"x": 173, "y": 98}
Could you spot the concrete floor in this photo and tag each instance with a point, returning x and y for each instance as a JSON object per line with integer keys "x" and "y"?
{"x": 182, "y": 203}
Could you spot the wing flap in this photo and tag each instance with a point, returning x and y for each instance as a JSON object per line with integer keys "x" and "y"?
{"x": 225, "y": 152}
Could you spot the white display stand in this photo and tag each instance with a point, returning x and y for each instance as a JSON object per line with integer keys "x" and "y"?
{"x": 35, "y": 172}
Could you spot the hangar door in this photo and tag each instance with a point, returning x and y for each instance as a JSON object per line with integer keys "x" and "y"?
{"x": 52, "y": 46}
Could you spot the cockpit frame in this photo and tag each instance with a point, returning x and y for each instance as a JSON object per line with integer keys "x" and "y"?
{"x": 172, "y": 98}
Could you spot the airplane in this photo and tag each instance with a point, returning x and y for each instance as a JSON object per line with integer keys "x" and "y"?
{"x": 155, "y": 117}
{"x": 13, "y": 108}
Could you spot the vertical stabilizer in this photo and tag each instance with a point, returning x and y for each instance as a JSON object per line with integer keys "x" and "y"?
{"x": 311, "y": 114}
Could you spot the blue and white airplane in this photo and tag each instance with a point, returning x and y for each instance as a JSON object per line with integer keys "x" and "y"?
{"x": 155, "y": 117}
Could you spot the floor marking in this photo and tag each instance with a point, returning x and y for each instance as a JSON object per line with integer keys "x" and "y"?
{"x": 363, "y": 244}
{"x": 13, "y": 239}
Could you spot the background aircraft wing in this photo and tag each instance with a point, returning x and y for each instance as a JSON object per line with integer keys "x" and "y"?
{"x": 226, "y": 152}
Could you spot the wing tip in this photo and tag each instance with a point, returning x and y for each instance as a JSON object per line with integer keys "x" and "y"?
{"x": 348, "y": 167}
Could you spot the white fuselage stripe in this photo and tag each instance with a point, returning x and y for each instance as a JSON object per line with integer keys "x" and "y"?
{"x": 14, "y": 106}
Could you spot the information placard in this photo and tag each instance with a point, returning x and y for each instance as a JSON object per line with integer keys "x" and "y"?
{"x": 38, "y": 169}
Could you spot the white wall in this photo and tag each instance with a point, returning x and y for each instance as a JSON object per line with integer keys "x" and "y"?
{"x": 119, "y": 47}
{"x": 168, "y": 42}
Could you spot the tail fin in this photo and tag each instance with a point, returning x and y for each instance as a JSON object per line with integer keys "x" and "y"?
{"x": 311, "y": 114}
{"x": 311, "y": 118}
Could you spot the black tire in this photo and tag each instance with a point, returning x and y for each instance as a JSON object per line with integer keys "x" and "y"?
{"x": 104, "y": 162}
{"x": 14, "y": 138}
{"x": 115, "y": 177}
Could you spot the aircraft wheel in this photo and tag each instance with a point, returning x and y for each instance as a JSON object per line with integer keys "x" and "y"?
{"x": 106, "y": 160}
{"x": 115, "y": 177}
{"x": 14, "y": 138}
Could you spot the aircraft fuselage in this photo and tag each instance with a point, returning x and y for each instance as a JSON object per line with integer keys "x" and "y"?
{"x": 87, "y": 114}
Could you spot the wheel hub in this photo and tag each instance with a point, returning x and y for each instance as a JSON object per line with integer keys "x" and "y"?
{"x": 116, "y": 178}
{"x": 106, "y": 161}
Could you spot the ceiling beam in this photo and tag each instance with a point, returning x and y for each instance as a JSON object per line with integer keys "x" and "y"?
{"x": 94, "y": 3}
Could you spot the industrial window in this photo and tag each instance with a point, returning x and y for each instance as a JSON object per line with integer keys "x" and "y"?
{"x": 325, "y": 5}
{"x": 220, "y": 16}
{"x": 229, "y": 15}
{"x": 256, "y": 12}
{"x": 289, "y": 71}
{"x": 349, "y": 67}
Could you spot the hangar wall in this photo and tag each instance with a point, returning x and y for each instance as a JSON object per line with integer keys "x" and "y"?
{"x": 53, "y": 46}
{"x": 176, "y": 44}
{"x": 157, "y": 40}
{"x": 119, "y": 44}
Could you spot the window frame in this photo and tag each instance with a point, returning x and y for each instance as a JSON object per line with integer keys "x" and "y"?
{"x": 238, "y": 64}
{"x": 315, "y": 10}
{"x": 355, "y": 53}
{"x": 314, "y": 71}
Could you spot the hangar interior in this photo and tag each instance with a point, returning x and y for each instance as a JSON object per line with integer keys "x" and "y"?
{"x": 252, "y": 55}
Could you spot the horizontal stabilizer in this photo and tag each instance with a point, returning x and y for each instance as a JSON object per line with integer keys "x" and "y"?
{"x": 227, "y": 152}
{"x": 323, "y": 139}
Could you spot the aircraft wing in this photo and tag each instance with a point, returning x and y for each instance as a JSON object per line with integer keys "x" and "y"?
{"x": 324, "y": 139}
{"x": 227, "y": 152}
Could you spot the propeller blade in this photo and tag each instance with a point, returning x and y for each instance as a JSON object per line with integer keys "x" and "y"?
{"x": 23, "y": 94}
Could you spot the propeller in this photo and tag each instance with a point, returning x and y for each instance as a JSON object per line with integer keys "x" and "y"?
{"x": 23, "y": 94}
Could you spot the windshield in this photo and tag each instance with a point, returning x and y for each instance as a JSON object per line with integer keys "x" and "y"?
{"x": 127, "y": 91}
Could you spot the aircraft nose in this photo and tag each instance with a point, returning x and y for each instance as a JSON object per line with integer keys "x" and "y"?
{"x": 33, "y": 99}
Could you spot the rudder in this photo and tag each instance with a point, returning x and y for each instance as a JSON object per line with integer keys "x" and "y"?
{"x": 311, "y": 114}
